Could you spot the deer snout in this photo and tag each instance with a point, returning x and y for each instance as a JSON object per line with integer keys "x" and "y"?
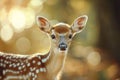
{"x": 63, "y": 46}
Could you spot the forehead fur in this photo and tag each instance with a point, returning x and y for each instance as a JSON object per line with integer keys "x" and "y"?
{"x": 61, "y": 28}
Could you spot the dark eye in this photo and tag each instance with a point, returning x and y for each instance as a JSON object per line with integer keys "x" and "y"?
{"x": 70, "y": 36}
{"x": 53, "y": 36}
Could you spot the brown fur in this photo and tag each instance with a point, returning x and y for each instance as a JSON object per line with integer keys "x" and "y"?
{"x": 61, "y": 28}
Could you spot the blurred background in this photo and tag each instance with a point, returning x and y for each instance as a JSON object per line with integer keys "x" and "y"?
{"x": 94, "y": 53}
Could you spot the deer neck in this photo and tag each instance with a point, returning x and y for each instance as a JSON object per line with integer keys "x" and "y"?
{"x": 56, "y": 61}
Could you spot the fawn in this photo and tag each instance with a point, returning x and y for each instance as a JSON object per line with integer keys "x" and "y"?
{"x": 42, "y": 67}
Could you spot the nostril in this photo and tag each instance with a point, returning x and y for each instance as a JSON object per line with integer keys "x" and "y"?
{"x": 63, "y": 46}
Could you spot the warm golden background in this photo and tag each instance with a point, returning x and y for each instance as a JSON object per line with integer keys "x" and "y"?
{"x": 94, "y": 53}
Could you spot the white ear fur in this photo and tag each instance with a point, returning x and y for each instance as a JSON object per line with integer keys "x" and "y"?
{"x": 43, "y": 24}
{"x": 79, "y": 23}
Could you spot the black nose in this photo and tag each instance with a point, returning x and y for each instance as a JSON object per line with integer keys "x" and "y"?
{"x": 62, "y": 46}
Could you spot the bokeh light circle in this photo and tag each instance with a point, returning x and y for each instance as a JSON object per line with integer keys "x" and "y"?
{"x": 23, "y": 44}
{"x": 6, "y": 33}
{"x": 94, "y": 58}
{"x": 17, "y": 18}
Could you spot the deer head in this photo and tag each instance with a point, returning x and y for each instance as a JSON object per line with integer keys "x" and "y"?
{"x": 61, "y": 34}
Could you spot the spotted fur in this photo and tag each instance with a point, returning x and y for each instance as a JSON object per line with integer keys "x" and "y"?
{"x": 22, "y": 66}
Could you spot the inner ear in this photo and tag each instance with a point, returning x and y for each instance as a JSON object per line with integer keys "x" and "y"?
{"x": 43, "y": 24}
{"x": 79, "y": 23}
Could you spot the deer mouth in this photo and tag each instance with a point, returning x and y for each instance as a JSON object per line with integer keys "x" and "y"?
{"x": 63, "y": 49}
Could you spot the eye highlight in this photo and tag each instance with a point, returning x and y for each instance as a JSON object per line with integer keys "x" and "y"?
{"x": 70, "y": 36}
{"x": 53, "y": 36}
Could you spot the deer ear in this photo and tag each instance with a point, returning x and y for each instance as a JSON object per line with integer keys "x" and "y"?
{"x": 79, "y": 23}
{"x": 43, "y": 24}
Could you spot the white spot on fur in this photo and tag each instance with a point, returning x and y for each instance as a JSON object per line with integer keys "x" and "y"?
{"x": 28, "y": 64}
{"x": 14, "y": 65}
{"x": 1, "y": 60}
{"x": 29, "y": 73}
{"x": 33, "y": 74}
{"x": 42, "y": 70}
{"x": 37, "y": 71}
{"x": 32, "y": 69}
{"x": 10, "y": 65}
{"x": 33, "y": 78}
{"x": 15, "y": 72}
{"x": 4, "y": 71}
{"x": 45, "y": 59}
{"x": 33, "y": 61}
{"x": 23, "y": 66}
{"x": 39, "y": 57}
{"x": 21, "y": 63}
{"x": 20, "y": 68}
{"x": 18, "y": 64}
{"x": 23, "y": 77}
{"x": 39, "y": 63}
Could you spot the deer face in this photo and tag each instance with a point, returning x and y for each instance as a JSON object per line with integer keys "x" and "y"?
{"x": 61, "y": 34}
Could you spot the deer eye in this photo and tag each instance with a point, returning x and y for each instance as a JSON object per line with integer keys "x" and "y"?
{"x": 70, "y": 36}
{"x": 53, "y": 36}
